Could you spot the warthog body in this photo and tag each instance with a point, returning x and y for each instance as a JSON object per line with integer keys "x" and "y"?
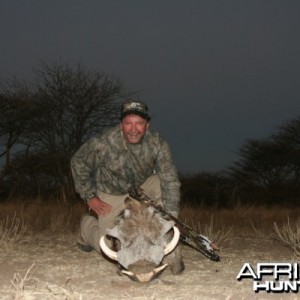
{"x": 146, "y": 242}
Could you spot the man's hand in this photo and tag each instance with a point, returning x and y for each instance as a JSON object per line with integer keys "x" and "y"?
{"x": 100, "y": 207}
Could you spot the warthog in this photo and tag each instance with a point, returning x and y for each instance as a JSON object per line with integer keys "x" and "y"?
{"x": 146, "y": 244}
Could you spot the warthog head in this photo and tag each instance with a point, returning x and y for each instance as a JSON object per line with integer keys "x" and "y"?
{"x": 145, "y": 237}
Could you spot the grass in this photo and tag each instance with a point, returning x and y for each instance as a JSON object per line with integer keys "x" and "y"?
{"x": 38, "y": 215}
{"x": 24, "y": 286}
{"x": 243, "y": 218}
{"x": 24, "y": 216}
{"x": 289, "y": 235}
{"x": 12, "y": 230}
{"x": 19, "y": 282}
{"x": 21, "y": 219}
{"x": 247, "y": 221}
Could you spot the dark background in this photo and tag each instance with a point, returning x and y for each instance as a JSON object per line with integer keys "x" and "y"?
{"x": 213, "y": 73}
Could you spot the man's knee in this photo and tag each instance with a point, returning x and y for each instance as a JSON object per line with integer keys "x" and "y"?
{"x": 152, "y": 188}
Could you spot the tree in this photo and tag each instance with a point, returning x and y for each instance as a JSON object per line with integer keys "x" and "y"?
{"x": 289, "y": 134}
{"x": 264, "y": 166}
{"x": 15, "y": 113}
{"x": 205, "y": 188}
{"x": 72, "y": 105}
{"x": 67, "y": 106}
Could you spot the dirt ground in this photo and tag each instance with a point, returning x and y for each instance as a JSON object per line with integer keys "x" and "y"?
{"x": 52, "y": 267}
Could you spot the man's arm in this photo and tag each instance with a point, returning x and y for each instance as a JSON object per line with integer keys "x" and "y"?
{"x": 170, "y": 184}
{"x": 83, "y": 166}
{"x": 100, "y": 207}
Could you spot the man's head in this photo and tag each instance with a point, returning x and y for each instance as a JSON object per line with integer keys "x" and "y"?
{"x": 134, "y": 121}
{"x": 134, "y": 107}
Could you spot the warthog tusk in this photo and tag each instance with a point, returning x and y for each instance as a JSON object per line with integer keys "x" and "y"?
{"x": 144, "y": 277}
{"x": 110, "y": 253}
{"x": 170, "y": 247}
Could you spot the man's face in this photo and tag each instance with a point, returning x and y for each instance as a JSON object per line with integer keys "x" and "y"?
{"x": 134, "y": 128}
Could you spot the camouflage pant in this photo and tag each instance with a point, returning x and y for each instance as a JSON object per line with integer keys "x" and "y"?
{"x": 92, "y": 229}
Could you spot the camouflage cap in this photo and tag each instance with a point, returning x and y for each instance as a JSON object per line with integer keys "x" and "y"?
{"x": 134, "y": 107}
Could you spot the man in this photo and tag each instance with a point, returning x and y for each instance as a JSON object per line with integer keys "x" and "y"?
{"x": 106, "y": 167}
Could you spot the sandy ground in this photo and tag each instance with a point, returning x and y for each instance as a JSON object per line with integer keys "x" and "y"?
{"x": 52, "y": 267}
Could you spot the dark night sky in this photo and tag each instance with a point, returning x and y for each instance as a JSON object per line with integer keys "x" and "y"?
{"x": 213, "y": 73}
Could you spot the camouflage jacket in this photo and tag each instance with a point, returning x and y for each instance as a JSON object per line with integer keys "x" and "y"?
{"x": 108, "y": 164}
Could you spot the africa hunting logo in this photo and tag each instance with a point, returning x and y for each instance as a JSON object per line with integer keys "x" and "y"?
{"x": 272, "y": 277}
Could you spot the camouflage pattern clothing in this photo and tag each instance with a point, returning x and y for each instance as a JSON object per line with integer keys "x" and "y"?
{"x": 111, "y": 165}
